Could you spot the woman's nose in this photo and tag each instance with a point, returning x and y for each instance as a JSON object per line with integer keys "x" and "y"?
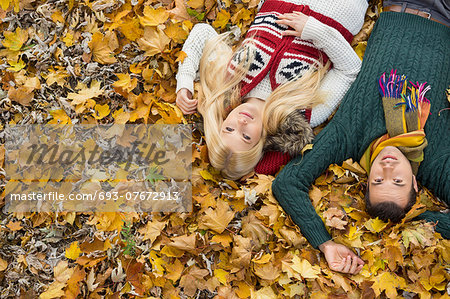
{"x": 242, "y": 120}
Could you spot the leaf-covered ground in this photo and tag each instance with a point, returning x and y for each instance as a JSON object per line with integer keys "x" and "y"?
{"x": 106, "y": 61}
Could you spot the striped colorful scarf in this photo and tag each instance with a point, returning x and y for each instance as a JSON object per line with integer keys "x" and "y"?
{"x": 405, "y": 117}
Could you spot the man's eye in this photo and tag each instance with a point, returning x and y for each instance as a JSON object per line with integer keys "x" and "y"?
{"x": 398, "y": 181}
{"x": 229, "y": 129}
{"x": 378, "y": 180}
{"x": 246, "y": 137}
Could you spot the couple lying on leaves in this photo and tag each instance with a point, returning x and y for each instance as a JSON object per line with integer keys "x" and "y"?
{"x": 293, "y": 69}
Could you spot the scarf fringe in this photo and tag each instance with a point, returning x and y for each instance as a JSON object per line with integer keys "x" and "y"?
{"x": 396, "y": 86}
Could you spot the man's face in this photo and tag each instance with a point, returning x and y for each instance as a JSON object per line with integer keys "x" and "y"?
{"x": 391, "y": 177}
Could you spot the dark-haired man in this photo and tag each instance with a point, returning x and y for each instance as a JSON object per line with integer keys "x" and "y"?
{"x": 391, "y": 187}
{"x": 420, "y": 48}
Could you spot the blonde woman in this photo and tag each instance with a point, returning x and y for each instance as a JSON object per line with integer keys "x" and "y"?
{"x": 282, "y": 66}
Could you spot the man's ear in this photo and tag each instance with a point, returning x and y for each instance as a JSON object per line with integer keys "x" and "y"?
{"x": 415, "y": 183}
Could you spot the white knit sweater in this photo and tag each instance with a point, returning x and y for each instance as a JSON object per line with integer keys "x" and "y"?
{"x": 346, "y": 64}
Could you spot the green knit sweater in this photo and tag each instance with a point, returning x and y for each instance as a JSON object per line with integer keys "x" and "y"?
{"x": 416, "y": 47}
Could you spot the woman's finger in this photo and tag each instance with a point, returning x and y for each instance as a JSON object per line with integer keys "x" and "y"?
{"x": 182, "y": 106}
{"x": 291, "y": 32}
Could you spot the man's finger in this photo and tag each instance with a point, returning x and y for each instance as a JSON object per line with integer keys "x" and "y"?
{"x": 358, "y": 269}
{"x": 340, "y": 266}
{"x": 348, "y": 264}
{"x": 354, "y": 265}
{"x": 360, "y": 261}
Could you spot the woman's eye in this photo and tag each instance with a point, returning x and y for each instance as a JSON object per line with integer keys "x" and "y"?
{"x": 229, "y": 129}
{"x": 246, "y": 137}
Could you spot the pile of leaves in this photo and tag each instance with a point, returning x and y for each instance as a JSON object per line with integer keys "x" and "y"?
{"x": 105, "y": 61}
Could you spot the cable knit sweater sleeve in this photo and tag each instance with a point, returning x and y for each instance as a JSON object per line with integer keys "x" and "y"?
{"x": 193, "y": 47}
{"x": 346, "y": 66}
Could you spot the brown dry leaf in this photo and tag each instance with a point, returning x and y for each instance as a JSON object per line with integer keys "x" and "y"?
{"x": 193, "y": 280}
{"x": 267, "y": 271}
{"x": 334, "y": 218}
{"x": 241, "y": 253}
{"x": 254, "y": 229}
{"x": 152, "y": 230}
{"x": 14, "y": 226}
{"x": 22, "y": 95}
{"x": 185, "y": 242}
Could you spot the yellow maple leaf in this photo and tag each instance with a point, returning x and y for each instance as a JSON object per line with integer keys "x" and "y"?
{"x": 101, "y": 111}
{"x": 222, "y": 275}
{"x": 304, "y": 268}
{"x": 176, "y": 32}
{"x": 57, "y": 17}
{"x": 16, "y": 65}
{"x": 101, "y": 51}
{"x": 4, "y": 4}
{"x": 131, "y": 29}
{"x": 125, "y": 82}
{"x": 154, "y": 41}
{"x": 73, "y": 252}
{"x": 174, "y": 270}
{"x": 375, "y": 225}
{"x": 68, "y": 39}
{"x": 54, "y": 291}
{"x": 85, "y": 94}
{"x": 15, "y": 40}
{"x": 222, "y": 19}
{"x": 389, "y": 283}
{"x": 59, "y": 117}
{"x": 56, "y": 76}
{"x": 117, "y": 20}
{"x": 154, "y": 17}
{"x": 217, "y": 219}
{"x": 121, "y": 117}
{"x": 195, "y": 4}
{"x": 360, "y": 49}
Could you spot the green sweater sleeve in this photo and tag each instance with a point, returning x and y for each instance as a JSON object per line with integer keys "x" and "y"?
{"x": 291, "y": 187}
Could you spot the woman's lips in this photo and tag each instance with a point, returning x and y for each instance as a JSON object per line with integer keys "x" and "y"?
{"x": 247, "y": 114}
{"x": 389, "y": 157}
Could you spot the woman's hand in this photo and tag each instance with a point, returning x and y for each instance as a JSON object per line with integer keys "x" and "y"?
{"x": 340, "y": 258}
{"x": 295, "y": 20}
{"x": 185, "y": 101}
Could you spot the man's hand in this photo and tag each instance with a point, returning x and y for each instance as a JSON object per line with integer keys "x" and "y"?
{"x": 295, "y": 20}
{"x": 340, "y": 258}
{"x": 185, "y": 101}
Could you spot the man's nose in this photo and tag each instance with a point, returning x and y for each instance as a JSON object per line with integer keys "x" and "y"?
{"x": 387, "y": 165}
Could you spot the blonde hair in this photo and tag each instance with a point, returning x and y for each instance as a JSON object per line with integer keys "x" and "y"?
{"x": 222, "y": 90}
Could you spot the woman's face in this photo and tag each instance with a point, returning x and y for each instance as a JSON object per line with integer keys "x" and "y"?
{"x": 242, "y": 129}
